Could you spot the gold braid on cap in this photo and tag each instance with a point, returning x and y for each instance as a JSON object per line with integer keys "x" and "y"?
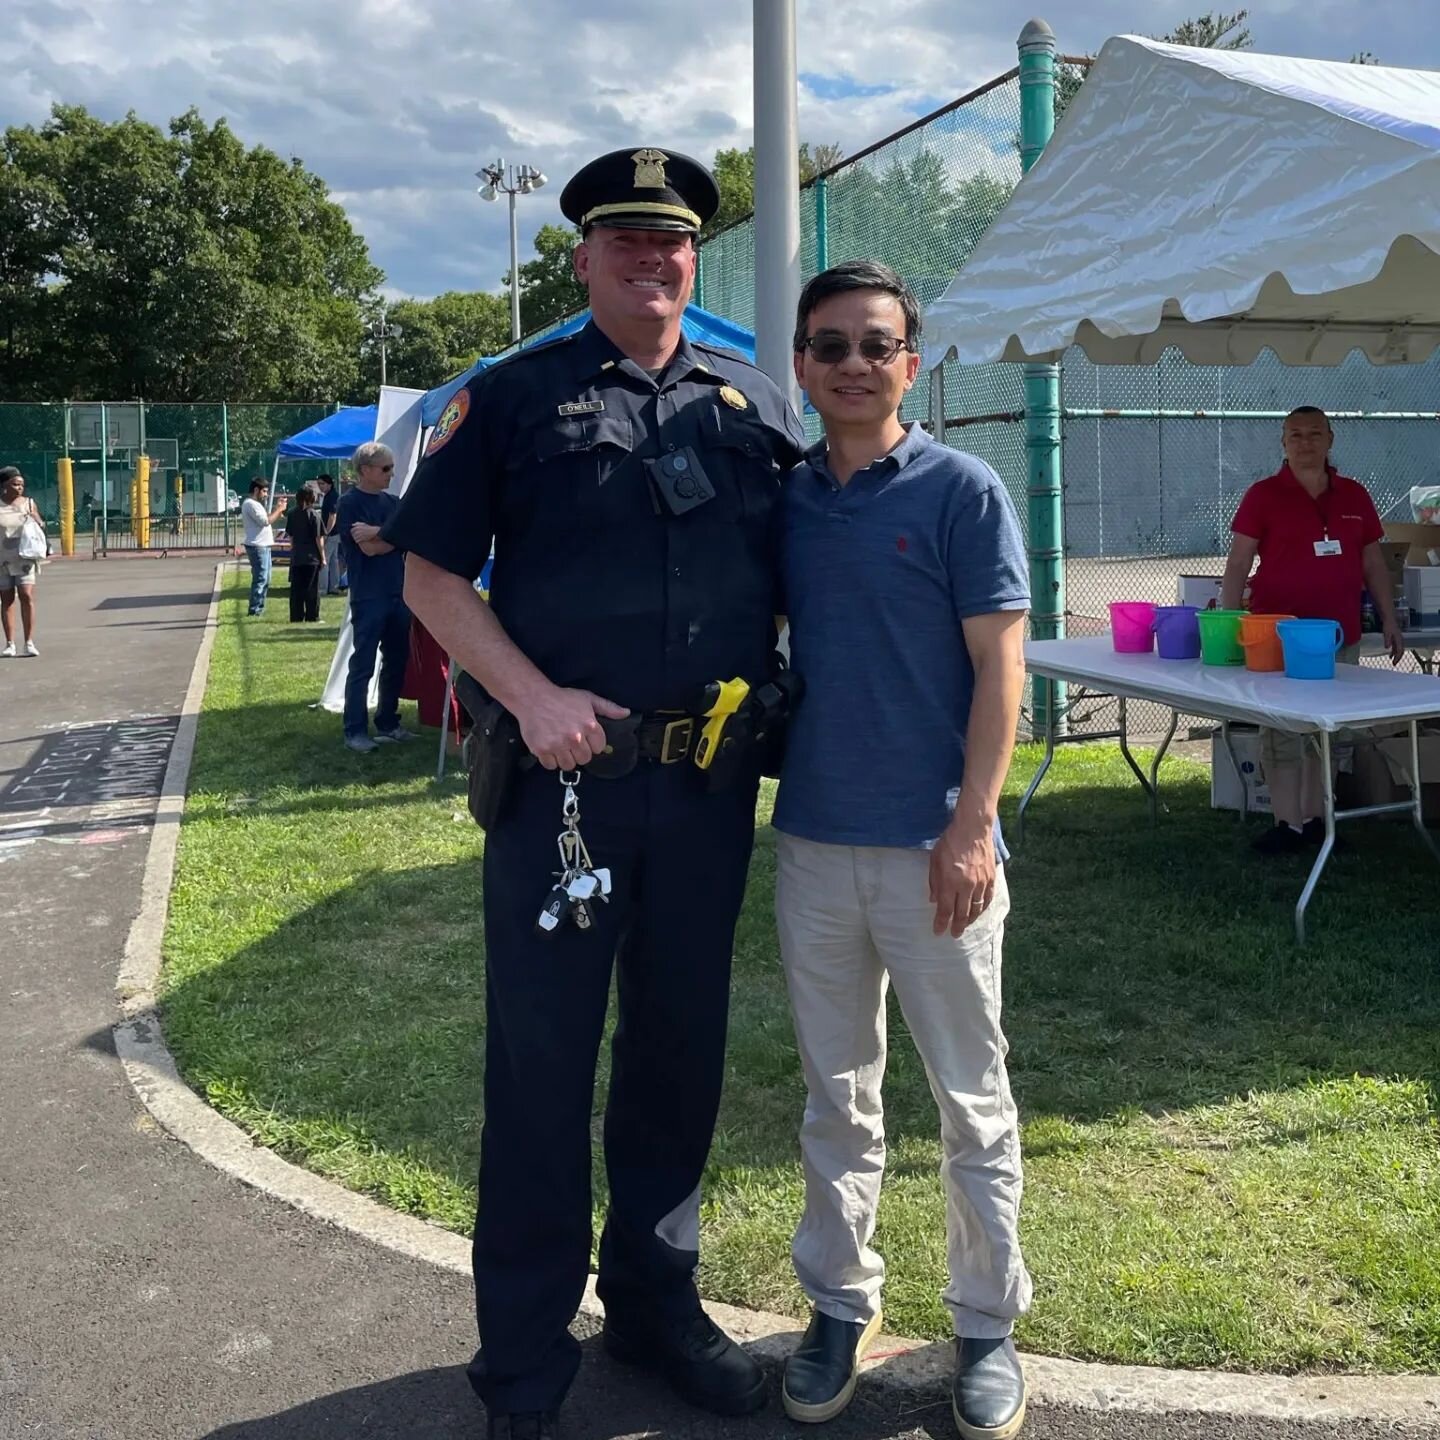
{"x": 641, "y": 207}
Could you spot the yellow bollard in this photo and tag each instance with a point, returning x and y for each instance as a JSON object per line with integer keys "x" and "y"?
{"x": 65, "y": 480}
{"x": 179, "y": 502}
{"x": 142, "y": 496}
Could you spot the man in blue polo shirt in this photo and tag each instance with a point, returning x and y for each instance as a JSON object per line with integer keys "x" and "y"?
{"x": 907, "y": 591}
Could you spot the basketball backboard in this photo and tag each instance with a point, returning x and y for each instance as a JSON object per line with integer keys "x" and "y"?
{"x": 124, "y": 426}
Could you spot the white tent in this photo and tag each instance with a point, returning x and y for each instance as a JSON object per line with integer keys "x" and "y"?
{"x": 1222, "y": 202}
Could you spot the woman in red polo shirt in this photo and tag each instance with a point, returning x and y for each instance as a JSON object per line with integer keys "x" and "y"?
{"x": 1317, "y": 536}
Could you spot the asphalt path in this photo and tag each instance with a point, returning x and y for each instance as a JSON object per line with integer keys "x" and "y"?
{"x": 145, "y": 1296}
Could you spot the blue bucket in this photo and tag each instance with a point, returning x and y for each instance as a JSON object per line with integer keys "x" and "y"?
{"x": 1177, "y": 632}
{"x": 1310, "y": 647}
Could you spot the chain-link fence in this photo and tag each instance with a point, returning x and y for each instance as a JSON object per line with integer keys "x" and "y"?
{"x": 202, "y": 458}
{"x": 1155, "y": 458}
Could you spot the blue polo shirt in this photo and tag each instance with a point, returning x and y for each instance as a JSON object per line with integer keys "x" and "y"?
{"x": 878, "y": 575}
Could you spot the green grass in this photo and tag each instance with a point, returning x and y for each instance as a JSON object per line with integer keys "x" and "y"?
{"x": 1231, "y": 1143}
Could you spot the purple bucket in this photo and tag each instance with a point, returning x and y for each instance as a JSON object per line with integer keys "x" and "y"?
{"x": 1177, "y": 632}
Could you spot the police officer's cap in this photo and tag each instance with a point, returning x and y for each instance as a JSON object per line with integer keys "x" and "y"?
{"x": 643, "y": 189}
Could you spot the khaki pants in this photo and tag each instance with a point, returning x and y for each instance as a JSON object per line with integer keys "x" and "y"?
{"x": 1284, "y": 747}
{"x": 852, "y": 920}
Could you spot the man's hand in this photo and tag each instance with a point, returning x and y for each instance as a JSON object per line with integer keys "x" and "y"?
{"x": 1394, "y": 641}
{"x": 962, "y": 875}
{"x": 361, "y": 532}
{"x": 562, "y": 727}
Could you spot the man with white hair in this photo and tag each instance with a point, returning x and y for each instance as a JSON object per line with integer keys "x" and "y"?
{"x": 378, "y": 615}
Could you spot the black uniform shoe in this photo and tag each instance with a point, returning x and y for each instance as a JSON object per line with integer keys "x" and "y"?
{"x": 820, "y": 1376}
{"x": 702, "y": 1363}
{"x": 988, "y": 1391}
{"x": 524, "y": 1425}
{"x": 1280, "y": 840}
{"x": 1314, "y": 834}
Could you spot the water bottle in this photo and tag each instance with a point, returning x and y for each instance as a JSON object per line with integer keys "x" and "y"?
{"x": 1368, "y": 620}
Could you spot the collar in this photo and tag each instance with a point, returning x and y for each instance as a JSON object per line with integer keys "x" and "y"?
{"x": 1287, "y": 476}
{"x": 598, "y": 352}
{"x": 916, "y": 441}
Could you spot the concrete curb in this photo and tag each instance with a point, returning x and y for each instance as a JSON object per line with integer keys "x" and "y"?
{"x": 913, "y": 1370}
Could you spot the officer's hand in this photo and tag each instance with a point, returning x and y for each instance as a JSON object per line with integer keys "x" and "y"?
{"x": 562, "y": 729}
{"x": 962, "y": 876}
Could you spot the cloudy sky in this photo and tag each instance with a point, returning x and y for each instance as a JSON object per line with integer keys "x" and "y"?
{"x": 396, "y": 103}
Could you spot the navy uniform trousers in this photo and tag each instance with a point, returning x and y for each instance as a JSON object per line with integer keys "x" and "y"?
{"x": 678, "y": 858}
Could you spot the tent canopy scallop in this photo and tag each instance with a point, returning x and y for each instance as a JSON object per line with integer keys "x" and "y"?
{"x": 1221, "y": 202}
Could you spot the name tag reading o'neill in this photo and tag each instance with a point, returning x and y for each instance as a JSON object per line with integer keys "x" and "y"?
{"x": 452, "y": 417}
{"x": 581, "y": 407}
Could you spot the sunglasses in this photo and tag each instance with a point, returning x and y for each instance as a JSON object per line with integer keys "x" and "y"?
{"x": 832, "y": 349}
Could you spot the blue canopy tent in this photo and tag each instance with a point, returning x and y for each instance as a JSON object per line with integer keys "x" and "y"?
{"x": 697, "y": 324}
{"x": 336, "y": 437}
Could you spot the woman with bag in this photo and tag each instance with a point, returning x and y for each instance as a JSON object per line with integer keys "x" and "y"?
{"x": 22, "y": 548}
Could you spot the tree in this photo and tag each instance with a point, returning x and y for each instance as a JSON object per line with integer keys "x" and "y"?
{"x": 428, "y": 341}
{"x": 177, "y": 266}
{"x": 549, "y": 290}
{"x": 1216, "y": 31}
{"x": 735, "y": 175}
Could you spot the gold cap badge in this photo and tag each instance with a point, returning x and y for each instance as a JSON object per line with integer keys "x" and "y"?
{"x": 649, "y": 169}
{"x": 733, "y": 398}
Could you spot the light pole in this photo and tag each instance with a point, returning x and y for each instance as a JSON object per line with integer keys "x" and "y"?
{"x": 381, "y": 332}
{"x": 513, "y": 180}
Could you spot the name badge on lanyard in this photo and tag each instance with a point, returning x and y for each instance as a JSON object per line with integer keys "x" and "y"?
{"x": 1327, "y": 546}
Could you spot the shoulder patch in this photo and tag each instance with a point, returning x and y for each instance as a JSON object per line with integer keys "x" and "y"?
{"x": 452, "y": 417}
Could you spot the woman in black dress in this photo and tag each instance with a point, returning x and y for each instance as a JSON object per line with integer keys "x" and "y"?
{"x": 307, "y": 555}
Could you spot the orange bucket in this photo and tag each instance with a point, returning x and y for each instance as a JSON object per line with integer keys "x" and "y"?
{"x": 1261, "y": 643}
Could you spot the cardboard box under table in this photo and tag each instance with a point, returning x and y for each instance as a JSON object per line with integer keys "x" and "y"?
{"x": 1358, "y": 698}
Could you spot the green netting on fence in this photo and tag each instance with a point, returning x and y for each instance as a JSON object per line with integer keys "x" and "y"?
{"x": 202, "y": 456}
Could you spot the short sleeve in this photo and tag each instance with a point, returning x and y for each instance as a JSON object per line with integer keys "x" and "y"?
{"x": 1372, "y": 528}
{"x": 985, "y": 551}
{"x": 1250, "y": 517}
{"x": 447, "y": 513}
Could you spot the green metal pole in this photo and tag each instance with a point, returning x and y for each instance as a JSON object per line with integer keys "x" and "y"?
{"x": 822, "y": 224}
{"x": 1042, "y": 398}
{"x": 700, "y": 278}
{"x": 225, "y": 466}
{"x": 104, "y": 482}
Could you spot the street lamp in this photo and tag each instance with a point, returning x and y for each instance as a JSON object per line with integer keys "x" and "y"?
{"x": 381, "y": 331}
{"x": 512, "y": 180}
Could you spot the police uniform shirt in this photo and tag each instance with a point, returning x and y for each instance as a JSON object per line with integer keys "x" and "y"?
{"x": 594, "y": 580}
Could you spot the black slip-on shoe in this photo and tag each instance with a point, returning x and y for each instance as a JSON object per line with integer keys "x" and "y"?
{"x": 703, "y": 1365}
{"x": 987, "y": 1393}
{"x": 523, "y": 1425}
{"x": 820, "y": 1375}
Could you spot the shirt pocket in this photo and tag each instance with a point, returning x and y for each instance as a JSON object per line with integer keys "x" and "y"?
{"x": 739, "y": 449}
{"x": 583, "y": 463}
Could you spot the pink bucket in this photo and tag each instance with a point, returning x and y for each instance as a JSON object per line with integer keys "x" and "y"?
{"x": 1132, "y": 626}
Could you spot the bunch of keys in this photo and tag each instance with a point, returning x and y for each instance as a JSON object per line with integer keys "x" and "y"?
{"x": 579, "y": 883}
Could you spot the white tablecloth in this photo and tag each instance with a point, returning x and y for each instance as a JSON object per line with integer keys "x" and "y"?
{"x": 1358, "y": 695}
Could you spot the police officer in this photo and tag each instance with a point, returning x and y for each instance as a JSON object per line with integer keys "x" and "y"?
{"x": 628, "y": 479}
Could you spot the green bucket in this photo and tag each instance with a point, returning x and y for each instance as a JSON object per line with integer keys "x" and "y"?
{"x": 1220, "y": 637}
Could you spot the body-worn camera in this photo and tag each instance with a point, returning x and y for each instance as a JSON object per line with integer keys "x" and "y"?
{"x": 679, "y": 480}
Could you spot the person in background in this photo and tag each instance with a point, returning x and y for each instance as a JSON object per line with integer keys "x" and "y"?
{"x": 907, "y": 622}
{"x": 260, "y": 540}
{"x": 378, "y": 615}
{"x": 1317, "y": 536}
{"x": 307, "y": 554}
{"x": 16, "y": 507}
{"x": 330, "y": 571}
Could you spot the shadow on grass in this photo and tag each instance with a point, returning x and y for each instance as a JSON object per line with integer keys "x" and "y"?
{"x": 1145, "y": 971}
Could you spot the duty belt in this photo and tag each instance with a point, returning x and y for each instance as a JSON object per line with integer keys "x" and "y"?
{"x": 666, "y": 738}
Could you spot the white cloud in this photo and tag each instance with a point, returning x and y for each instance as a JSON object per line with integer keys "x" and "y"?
{"x": 395, "y": 103}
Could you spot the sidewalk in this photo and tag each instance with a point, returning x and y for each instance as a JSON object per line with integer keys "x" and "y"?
{"x": 145, "y": 1295}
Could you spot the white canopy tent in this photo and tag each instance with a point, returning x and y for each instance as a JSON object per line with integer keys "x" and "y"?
{"x": 1221, "y": 202}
